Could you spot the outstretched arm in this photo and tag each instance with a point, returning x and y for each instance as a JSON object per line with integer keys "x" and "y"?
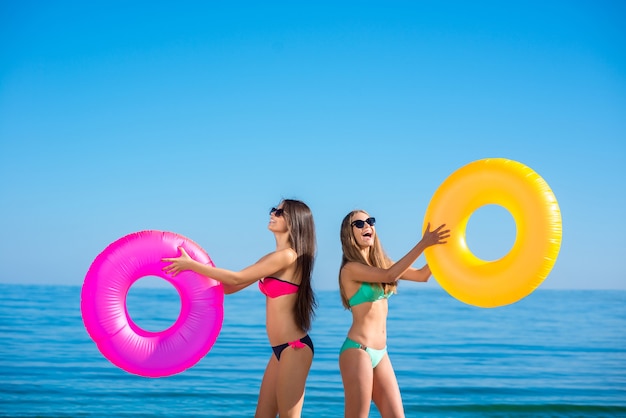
{"x": 364, "y": 273}
{"x": 229, "y": 289}
{"x": 417, "y": 275}
{"x": 236, "y": 280}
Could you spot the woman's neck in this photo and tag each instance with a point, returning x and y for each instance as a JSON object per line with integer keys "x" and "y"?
{"x": 282, "y": 241}
{"x": 365, "y": 252}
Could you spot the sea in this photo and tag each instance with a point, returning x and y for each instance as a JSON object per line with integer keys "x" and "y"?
{"x": 555, "y": 353}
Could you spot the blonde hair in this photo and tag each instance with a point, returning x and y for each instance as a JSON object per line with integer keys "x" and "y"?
{"x": 351, "y": 252}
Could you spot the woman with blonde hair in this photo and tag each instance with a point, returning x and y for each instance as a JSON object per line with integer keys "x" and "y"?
{"x": 367, "y": 278}
{"x": 284, "y": 277}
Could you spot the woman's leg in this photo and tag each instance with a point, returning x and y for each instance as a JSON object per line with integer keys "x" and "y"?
{"x": 386, "y": 392}
{"x": 267, "y": 405}
{"x": 356, "y": 372}
{"x": 293, "y": 369}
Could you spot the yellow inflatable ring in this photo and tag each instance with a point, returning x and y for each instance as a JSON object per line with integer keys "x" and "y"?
{"x": 534, "y": 208}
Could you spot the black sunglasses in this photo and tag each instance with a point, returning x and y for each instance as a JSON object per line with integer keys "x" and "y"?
{"x": 277, "y": 212}
{"x": 361, "y": 224}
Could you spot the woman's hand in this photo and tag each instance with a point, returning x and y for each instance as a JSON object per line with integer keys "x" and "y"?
{"x": 435, "y": 237}
{"x": 178, "y": 264}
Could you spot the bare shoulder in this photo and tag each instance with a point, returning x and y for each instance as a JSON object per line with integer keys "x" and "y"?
{"x": 350, "y": 278}
{"x": 288, "y": 255}
{"x": 358, "y": 273}
{"x": 273, "y": 263}
{"x": 280, "y": 257}
{"x": 350, "y": 271}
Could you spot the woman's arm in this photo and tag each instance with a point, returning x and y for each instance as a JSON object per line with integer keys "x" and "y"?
{"x": 417, "y": 275}
{"x": 229, "y": 289}
{"x": 364, "y": 273}
{"x": 266, "y": 266}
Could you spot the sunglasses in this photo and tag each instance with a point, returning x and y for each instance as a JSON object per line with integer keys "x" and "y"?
{"x": 361, "y": 224}
{"x": 277, "y": 212}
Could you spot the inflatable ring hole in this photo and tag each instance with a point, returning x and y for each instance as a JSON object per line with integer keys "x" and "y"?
{"x": 490, "y": 232}
{"x": 153, "y": 304}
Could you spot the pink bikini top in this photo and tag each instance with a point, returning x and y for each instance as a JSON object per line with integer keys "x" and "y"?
{"x": 273, "y": 287}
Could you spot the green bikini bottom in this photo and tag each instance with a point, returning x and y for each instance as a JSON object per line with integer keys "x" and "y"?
{"x": 375, "y": 355}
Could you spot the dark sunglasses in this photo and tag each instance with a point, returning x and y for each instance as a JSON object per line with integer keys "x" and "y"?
{"x": 277, "y": 212}
{"x": 361, "y": 224}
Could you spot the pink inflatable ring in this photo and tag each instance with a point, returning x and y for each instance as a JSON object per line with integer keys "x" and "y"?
{"x": 119, "y": 339}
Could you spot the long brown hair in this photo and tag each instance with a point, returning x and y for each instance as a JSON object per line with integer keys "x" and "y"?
{"x": 351, "y": 252}
{"x": 302, "y": 239}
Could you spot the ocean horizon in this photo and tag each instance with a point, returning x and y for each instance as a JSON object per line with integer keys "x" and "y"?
{"x": 555, "y": 353}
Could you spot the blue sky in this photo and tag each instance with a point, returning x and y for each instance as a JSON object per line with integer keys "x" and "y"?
{"x": 197, "y": 117}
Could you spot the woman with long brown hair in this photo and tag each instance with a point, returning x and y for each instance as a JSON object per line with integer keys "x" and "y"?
{"x": 367, "y": 278}
{"x": 284, "y": 277}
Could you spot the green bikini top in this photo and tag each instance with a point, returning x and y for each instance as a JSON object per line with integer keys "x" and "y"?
{"x": 368, "y": 292}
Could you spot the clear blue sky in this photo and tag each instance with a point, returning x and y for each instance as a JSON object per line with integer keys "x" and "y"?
{"x": 197, "y": 117}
